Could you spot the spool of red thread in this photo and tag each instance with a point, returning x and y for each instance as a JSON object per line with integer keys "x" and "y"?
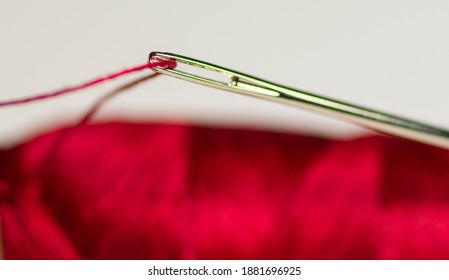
{"x": 149, "y": 191}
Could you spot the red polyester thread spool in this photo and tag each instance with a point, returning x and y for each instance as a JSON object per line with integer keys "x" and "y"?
{"x": 141, "y": 191}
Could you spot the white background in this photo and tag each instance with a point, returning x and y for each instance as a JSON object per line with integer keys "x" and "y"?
{"x": 310, "y": 270}
{"x": 389, "y": 55}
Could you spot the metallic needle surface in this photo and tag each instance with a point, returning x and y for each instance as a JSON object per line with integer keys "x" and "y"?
{"x": 245, "y": 84}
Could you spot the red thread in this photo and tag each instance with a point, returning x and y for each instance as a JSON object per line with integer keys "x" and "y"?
{"x": 143, "y": 191}
{"x": 162, "y": 63}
